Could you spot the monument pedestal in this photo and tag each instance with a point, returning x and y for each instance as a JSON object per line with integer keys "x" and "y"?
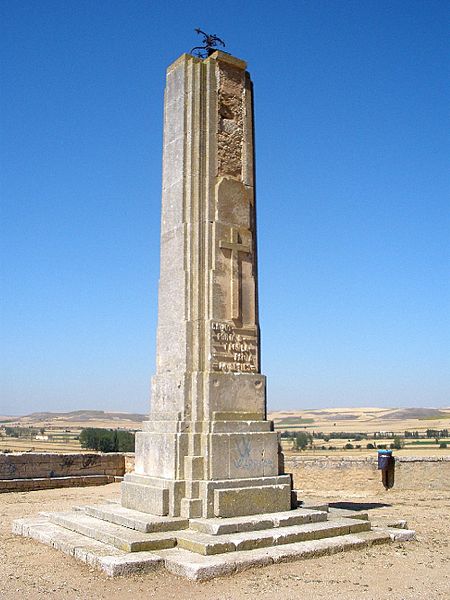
{"x": 233, "y": 470}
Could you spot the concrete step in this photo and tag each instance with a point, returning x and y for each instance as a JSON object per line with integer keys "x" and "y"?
{"x": 109, "y": 533}
{"x": 337, "y": 513}
{"x": 310, "y": 503}
{"x": 114, "y": 561}
{"x": 202, "y": 568}
{"x": 206, "y": 544}
{"x": 222, "y": 526}
{"x": 133, "y": 519}
{"x": 108, "y": 558}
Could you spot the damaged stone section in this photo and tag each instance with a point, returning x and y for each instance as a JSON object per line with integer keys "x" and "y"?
{"x": 230, "y": 134}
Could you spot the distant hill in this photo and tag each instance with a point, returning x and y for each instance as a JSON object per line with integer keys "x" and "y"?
{"x": 81, "y": 416}
{"x": 328, "y": 419}
{"x": 417, "y": 413}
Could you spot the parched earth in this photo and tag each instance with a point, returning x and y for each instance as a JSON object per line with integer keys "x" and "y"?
{"x": 397, "y": 571}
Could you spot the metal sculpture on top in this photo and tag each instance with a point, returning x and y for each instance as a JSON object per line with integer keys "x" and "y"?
{"x": 210, "y": 43}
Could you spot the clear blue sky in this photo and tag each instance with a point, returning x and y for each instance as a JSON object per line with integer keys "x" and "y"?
{"x": 352, "y": 132}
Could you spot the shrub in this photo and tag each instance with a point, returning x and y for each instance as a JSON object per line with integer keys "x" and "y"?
{"x": 370, "y": 446}
{"x": 348, "y": 446}
{"x": 302, "y": 439}
{"x": 398, "y": 443}
{"x": 443, "y": 445}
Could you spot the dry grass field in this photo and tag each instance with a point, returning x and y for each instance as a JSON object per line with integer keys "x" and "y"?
{"x": 369, "y": 420}
{"x": 393, "y": 421}
{"x": 62, "y": 429}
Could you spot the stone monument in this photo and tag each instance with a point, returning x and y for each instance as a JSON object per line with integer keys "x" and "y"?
{"x": 207, "y": 448}
{"x": 208, "y": 496}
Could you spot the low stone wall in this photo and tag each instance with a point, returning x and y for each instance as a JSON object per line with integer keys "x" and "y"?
{"x": 350, "y": 474}
{"x": 32, "y": 470}
{"x": 129, "y": 462}
{"x": 35, "y": 470}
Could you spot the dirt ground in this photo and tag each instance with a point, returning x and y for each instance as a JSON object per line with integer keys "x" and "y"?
{"x": 397, "y": 571}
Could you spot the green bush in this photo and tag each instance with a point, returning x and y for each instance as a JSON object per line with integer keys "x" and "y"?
{"x": 302, "y": 440}
{"x": 348, "y": 446}
{"x": 443, "y": 445}
{"x": 107, "y": 440}
{"x": 398, "y": 443}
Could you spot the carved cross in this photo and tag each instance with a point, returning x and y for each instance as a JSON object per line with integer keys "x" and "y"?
{"x": 235, "y": 246}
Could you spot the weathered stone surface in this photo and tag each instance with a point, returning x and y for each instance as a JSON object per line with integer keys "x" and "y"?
{"x": 97, "y": 554}
{"x": 109, "y": 533}
{"x": 220, "y": 526}
{"x": 336, "y": 513}
{"x": 145, "y": 498}
{"x": 202, "y": 568}
{"x": 21, "y": 472}
{"x": 46, "y": 483}
{"x": 43, "y": 465}
{"x": 232, "y": 502}
{"x": 398, "y": 535}
{"x": 395, "y": 523}
{"x": 134, "y": 519}
{"x": 201, "y": 556}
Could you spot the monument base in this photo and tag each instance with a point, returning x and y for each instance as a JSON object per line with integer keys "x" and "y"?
{"x": 120, "y": 541}
{"x": 229, "y": 466}
{"x": 218, "y": 498}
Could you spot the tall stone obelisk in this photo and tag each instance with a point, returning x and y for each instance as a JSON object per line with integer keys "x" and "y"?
{"x": 207, "y": 448}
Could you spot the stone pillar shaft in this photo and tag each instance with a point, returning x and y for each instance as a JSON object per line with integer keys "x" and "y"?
{"x": 208, "y": 416}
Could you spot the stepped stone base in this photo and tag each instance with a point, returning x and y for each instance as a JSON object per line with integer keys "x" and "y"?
{"x": 121, "y": 541}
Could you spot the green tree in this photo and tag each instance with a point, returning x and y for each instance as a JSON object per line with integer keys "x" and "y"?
{"x": 107, "y": 440}
{"x": 398, "y": 443}
{"x": 126, "y": 441}
{"x": 302, "y": 440}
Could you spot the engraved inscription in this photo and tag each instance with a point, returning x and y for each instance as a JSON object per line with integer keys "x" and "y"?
{"x": 244, "y": 448}
{"x": 233, "y": 350}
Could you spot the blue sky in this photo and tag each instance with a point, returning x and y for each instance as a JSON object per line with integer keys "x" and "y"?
{"x": 351, "y": 109}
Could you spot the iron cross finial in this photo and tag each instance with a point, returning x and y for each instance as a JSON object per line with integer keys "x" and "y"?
{"x": 210, "y": 43}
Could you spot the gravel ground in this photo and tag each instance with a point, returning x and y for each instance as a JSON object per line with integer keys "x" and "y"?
{"x": 397, "y": 571}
